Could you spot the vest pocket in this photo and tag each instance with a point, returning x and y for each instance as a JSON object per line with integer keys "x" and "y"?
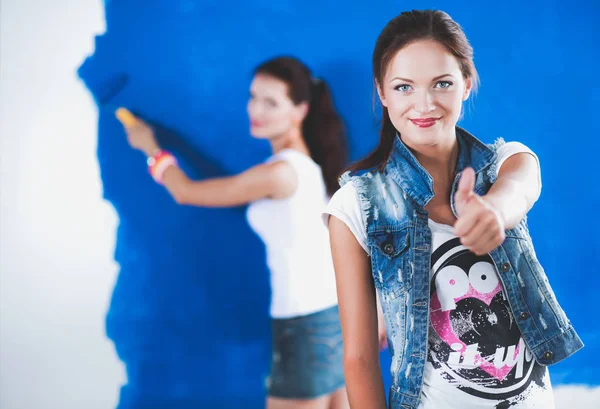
{"x": 390, "y": 266}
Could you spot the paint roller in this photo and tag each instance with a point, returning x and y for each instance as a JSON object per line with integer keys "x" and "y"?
{"x": 105, "y": 92}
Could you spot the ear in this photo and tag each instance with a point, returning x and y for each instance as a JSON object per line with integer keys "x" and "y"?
{"x": 300, "y": 112}
{"x": 468, "y": 87}
{"x": 381, "y": 94}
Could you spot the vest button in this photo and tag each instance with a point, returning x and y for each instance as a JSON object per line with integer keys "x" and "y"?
{"x": 524, "y": 315}
{"x": 388, "y": 249}
{"x": 548, "y": 355}
{"x": 505, "y": 267}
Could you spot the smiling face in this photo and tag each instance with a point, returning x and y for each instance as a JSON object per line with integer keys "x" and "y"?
{"x": 423, "y": 89}
{"x": 271, "y": 111}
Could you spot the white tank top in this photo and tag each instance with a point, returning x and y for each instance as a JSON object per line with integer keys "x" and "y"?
{"x": 297, "y": 242}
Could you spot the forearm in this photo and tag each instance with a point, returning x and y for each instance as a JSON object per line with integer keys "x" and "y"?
{"x": 177, "y": 184}
{"x": 512, "y": 199}
{"x": 364, "y": 383}
{"x": 517, "y": 188}
{"x": 217, "y": 192}
{"x": 207, "y": 193}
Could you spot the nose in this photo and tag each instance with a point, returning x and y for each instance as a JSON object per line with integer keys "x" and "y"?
{"x": 424, "y": 103}
{"x": 254, "y": 109}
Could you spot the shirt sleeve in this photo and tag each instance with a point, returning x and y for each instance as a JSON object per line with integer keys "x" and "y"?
{"x": 346, "y": 207}
{"x": 512, "y": 148}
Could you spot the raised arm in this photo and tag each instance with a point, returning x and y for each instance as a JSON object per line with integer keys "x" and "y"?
{"x": 275, "y": 180}
{"x": 517, "y": 188}
{"x": 482, "y": 220}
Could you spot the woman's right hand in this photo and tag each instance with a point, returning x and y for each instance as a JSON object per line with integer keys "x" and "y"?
{"x": 480, "y": 226}
{"x": 140, "y": 135}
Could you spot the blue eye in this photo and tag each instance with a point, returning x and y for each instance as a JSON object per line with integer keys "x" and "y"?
{"x": 443, "y": 84}
{"x": 403, "y": 87}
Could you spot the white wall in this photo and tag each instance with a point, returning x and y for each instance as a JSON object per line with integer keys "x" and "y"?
{"x": 56, "y": 233}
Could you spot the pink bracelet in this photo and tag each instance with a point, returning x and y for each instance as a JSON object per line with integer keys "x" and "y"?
{"x": 159, "y": 163}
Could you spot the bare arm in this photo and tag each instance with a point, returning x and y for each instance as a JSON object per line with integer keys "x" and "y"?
{"x": 275, "y": 180}
{"x": 517, "y": 188}
{"x": 358, "y": 314}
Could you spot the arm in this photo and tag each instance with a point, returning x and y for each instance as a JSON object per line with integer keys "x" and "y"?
{"x": 358, "y": 314}
{"x": 275, "y": 180}
{"x": 517, "y": 188}
{"x": 482, "y": 220}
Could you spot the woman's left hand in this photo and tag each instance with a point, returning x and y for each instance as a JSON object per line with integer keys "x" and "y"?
{"x": 480, "y": 226}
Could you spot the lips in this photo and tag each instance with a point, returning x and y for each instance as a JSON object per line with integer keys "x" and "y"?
{"x": 424, "y": 122}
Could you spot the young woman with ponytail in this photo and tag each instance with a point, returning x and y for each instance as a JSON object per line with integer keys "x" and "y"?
{"x": 293, "y": 111}
{"x": 433, "y": 221}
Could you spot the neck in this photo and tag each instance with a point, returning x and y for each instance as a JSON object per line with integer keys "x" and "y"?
{"x": 440, "y": 161}
{"x": 292, "y": 139}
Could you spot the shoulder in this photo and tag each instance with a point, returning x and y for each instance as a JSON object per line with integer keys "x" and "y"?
{"x": 511, "y": 148}
{"x": 277, "y": 179}
{"x": 279, "y": 171}
{"x": 274, "y": 169}
{"x": 345, "y": 194}
{"x": 505, "y": 149}
{"x": 359, "y": 177}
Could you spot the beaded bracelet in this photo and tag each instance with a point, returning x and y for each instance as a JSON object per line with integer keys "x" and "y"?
{"x": 158, "y": 164}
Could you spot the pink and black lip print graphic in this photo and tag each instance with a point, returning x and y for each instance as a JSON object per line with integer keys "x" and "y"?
{"x": 478, "y": 345}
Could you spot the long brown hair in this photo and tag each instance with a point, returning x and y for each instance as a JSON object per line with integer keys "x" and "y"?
{"x": 407, "y": 28}
{"x": 322, "y": 128}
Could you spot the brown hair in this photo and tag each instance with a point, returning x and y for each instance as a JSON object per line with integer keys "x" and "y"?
{"x": 407, "y": 28}
{"x": 323, "y": 129}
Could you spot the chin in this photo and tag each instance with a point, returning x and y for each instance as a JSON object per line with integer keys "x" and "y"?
{"x": 257, "y": 134}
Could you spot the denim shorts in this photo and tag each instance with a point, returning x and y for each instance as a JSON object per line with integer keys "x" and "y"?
{"x": 307, "y": 360}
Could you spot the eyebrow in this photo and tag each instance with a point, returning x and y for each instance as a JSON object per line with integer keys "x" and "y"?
{"x": 411, "y": 81}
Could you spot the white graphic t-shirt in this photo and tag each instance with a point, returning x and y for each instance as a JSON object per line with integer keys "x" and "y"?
{"x": 477, "y": 357}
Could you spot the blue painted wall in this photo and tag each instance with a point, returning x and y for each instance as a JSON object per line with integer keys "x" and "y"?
{"x": 189, "y": 310}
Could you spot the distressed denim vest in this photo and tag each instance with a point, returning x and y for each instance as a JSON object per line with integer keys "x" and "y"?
{"x": 393, "y": 209}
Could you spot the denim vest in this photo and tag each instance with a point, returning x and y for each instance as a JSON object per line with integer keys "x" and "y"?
{"x": 393, "y": 209}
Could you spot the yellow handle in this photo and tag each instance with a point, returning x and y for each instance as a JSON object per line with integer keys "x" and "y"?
{"x": 126, "y": 117}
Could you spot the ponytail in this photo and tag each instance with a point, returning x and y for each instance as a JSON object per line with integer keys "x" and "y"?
{"x": 325, "y": 135}
{"x": 322, "y": 128}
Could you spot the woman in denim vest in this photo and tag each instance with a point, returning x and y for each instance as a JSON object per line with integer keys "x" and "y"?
{"x": 295, "y": 113}
{"x": 434, "y": 221}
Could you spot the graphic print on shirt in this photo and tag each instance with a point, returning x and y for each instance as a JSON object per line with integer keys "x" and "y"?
{"x": 474, "y": 341}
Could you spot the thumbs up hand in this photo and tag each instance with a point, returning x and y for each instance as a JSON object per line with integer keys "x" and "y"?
{"x": 480, "y": 226}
